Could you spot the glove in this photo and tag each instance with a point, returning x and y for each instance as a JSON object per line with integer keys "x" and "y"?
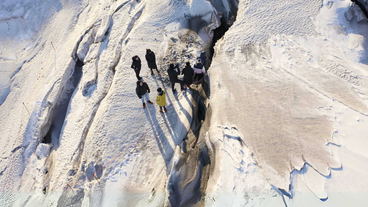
{"x": 149, "y": 91}
{"x": 139, "y": 96}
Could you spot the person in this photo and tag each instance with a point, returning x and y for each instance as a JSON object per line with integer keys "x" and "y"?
{"x": 198, "y": 70}
{"x": 161, "y": 99}
{"x": 142, "y": 91}
{"x": 136, "y": 65}
{"x": 173, "y": 76}
{"x": 203, "y": 58}
{"x": 188, "y": 74}
{"x": 151, "y": 60}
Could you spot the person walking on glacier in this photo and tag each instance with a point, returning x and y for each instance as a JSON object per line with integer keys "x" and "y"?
{"x": 173, "y": 76}
{"x": 198, "y": 70}
{"x": 142, "y": 92}
{"x": 136, "y": 65}
{"x": 188, "y": 74}
{"x": 161, "y": 99}
{"x": 151, "y": 60}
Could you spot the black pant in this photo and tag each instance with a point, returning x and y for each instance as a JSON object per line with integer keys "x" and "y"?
{"x": 163, "y": 107}
{"x": 137, "y": 71}
{"x": 154, "y": 68}
{"x": 176, "y": 81}
{"x": 198, "y": 77}
{"x": 188, "y": 80}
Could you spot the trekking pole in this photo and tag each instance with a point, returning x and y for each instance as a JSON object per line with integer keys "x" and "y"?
{"x": 53, "y": 45}
{"x": 26, "y": 108}
{"x": 70, "y": 187}
{"x": 96, "y": 178}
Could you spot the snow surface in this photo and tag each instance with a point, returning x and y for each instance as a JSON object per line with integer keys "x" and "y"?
{"x": 287, "y": 112}
{"x": 294, "y": 80}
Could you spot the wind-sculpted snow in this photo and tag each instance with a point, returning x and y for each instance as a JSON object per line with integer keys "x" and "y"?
{"x": 277, "y": 120}
{"x": 284, "y": 72}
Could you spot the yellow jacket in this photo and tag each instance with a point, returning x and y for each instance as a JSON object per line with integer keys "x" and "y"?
{"x": 161, "y": 99}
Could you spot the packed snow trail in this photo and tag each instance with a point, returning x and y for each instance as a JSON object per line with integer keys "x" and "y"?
{"x": 133, "y": 144}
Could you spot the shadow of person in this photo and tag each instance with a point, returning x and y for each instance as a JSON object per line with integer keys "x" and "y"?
{"x": 168, "y": 102}
{"x": 188, "y": 91}
{"x": 173, "y": 121}
{"x": 186, "y": 113}
{"x": 170, "y": 129}
{"x": 171, "y": 118}
{"x": 164, "y": 146}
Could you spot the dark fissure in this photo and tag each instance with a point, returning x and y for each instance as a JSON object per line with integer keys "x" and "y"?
{"x": 61, "y": 108}
{"x": 195, "y": 150}
{"x": 227, "y": 20}
{"x": 361, "y": 6}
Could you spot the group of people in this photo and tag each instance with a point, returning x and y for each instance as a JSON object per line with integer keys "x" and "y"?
{"x": 190, "y": 75}
{"x": 151, "y": 62}
{"x": 143, "y": 90}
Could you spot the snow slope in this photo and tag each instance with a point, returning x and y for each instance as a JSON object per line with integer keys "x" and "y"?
{"x": 283, "y": 124}
{"x": 297, "y": 80}
{"x": 104, "y": 120}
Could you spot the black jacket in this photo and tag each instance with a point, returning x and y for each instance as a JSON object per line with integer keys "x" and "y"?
{"x": 173, "y": 74}
{"x": 141, "y": 90}
{"x": 136, "y": 63}
{"x": 151, "y": 60}
{"x": 188, "y": 75}
{"x": 198, "y": 68}
{"x": 203, "y": 57}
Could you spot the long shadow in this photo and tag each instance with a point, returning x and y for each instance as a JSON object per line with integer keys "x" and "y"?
{"x": 174, "y": 121}
{"x": 172, "y": 134}
{"x": 186, "y": 113}
{"x": 199, "y": 93}
{"x": 171, "y": 122}
{"x": 162, "y": 142}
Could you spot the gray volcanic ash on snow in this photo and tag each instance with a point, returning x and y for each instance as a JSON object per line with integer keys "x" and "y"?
{"x": 280, "y": 118}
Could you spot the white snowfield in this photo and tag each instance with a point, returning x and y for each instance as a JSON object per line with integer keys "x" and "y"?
{"x": 286, "y": 119}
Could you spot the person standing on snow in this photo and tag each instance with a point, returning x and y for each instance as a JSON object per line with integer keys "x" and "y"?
{"x": 142, "y": 91}
{"x": 161, "y": 99}
{"x": 151, "y": 60}
{"x": 188, "y": 74}
{"x": 198, "y": 70}
{"x": 136, "y": 65}
{"x": 173, "y": 76}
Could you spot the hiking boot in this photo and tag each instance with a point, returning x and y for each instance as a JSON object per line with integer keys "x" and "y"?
{"x": 165, "y": 110}
{"x": 144, "y": 105}
{"x": 161, "y": 111}
{"x": 150, "y": 102}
